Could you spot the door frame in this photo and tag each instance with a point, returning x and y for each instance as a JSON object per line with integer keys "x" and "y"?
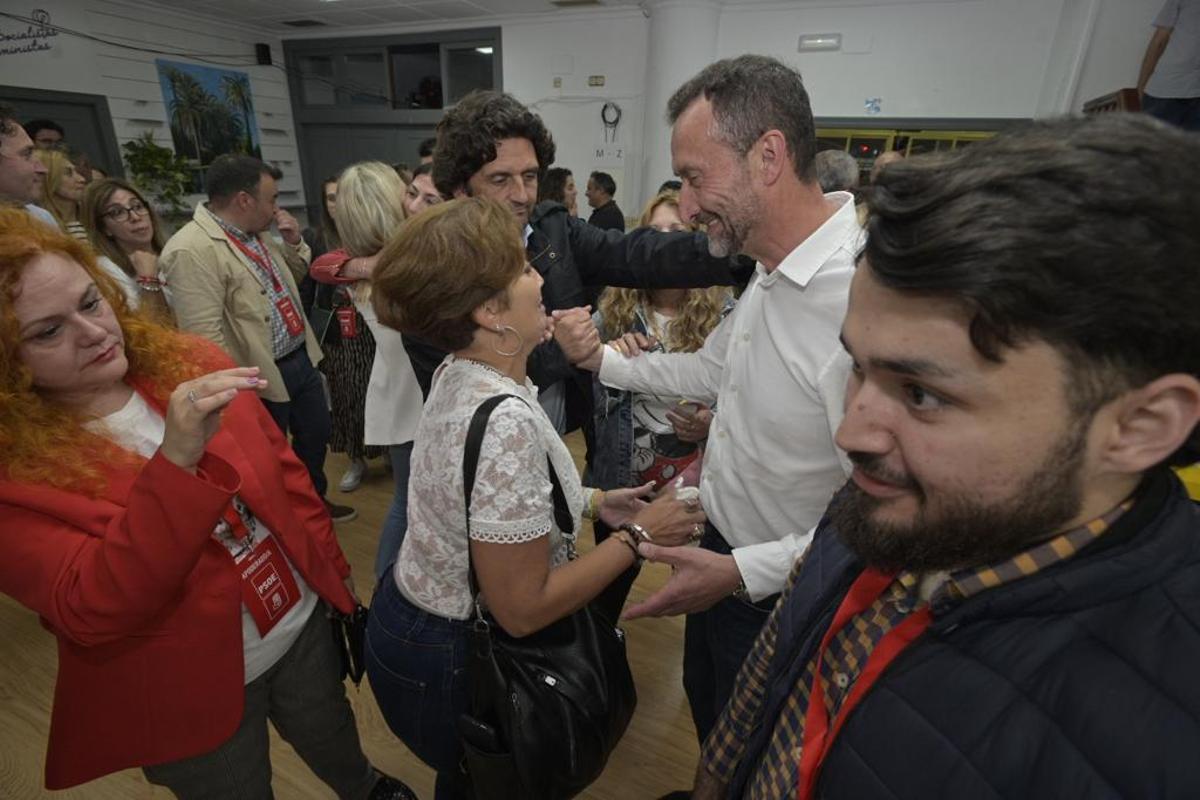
{"x": 99, "y": 104}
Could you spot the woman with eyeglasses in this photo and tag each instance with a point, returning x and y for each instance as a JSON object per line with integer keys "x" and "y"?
{"x": 127, "y": 235}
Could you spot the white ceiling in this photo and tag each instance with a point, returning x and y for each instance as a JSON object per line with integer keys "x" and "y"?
{"x": 271, "y": 14}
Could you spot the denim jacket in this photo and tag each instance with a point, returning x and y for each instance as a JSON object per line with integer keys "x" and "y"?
{"x": 612, "y": 459}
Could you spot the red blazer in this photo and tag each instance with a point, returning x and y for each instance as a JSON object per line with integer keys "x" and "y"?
{"x": 145, "y": 604}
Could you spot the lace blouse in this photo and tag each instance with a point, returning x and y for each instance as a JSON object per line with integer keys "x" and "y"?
{"x": 511, "y": 501}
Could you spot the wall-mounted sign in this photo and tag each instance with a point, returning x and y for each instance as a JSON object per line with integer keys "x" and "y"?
{"x": 31, "y": 37}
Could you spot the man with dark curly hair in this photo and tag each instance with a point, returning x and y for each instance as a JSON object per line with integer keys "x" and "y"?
{"x": 493, "y": 146}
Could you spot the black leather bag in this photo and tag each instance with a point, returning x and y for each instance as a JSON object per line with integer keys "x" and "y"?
{"x": 350, "y": 638}
{"x": 546, "y": 709}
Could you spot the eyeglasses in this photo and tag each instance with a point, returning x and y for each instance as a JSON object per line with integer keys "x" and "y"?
{"x": 123, "y": 213}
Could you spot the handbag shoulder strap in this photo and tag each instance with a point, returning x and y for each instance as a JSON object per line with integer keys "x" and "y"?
{"x": 478, "y": 427}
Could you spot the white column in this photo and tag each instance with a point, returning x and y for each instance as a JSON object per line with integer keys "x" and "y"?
{"x": 682, "y": 41}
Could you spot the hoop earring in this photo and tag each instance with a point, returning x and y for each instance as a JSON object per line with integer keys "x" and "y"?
{"x": 503, "y": 330}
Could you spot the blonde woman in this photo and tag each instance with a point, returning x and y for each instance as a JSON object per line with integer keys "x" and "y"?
{"x": 128, "y": 236}
{"x": 350, "y": 354}
{"x": 371, "y": 202}
{"x": 662, "y": 433}
{"x": 64, "y": 191}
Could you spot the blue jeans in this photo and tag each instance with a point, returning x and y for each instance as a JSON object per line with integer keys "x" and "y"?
{"x": 715, "y": 643}
{"x": 417, "y": 665}
{"x": 392, "y": 535}
{"x": 1181, "y": 111}
{"x": 305, "y": 414}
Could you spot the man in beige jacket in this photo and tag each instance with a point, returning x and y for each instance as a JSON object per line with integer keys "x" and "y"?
{"x": 237, "y": 287}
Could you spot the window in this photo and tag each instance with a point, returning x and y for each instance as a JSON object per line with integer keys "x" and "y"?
{"x": 468, "y": 67}
{"x": 416, "y": 76}
{"x": 317, "y": 82}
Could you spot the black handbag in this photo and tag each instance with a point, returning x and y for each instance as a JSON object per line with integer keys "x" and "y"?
{"x": 546, "y": 709}
{"x": 350, "y": 638}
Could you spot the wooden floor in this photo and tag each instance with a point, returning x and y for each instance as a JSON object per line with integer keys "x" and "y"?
{"x": 657, "y": 755}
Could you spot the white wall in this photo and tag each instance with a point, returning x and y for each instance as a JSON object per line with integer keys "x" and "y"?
{"x": 1114, "y": 50}
{"x": 612, "y": 45}
{"x": 129, "y": 79}
{"x": 972, "y": 58}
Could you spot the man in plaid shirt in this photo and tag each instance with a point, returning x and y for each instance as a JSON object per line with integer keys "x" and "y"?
{"x": 1002, "y": 601}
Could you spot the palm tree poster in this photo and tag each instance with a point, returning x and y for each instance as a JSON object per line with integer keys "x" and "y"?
{"x": 211, "y": 112}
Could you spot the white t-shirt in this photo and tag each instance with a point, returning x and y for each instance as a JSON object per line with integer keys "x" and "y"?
{"x": 510, "y": 502}
{"x": 1177, "y": 74}
{"x": 140, "y": 428}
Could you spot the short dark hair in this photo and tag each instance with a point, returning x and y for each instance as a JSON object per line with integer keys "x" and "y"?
{"x": 1081, "y": 233}
{"x": 425, "y": 148}
{"x": 8, "y": 119}
{"x": 553, "y": 186}
{"x": 229, "y": 174}
{"x": 671, "y": 185}
{"x": 34, "y": 126}
{"x": 467, "y": 137}
{"x": 751, "y": 95}
{"x": 605, "y": 182}
{"x": 422, "y": 169}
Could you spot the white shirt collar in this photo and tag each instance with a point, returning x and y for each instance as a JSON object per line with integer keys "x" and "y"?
{"x": 800, "y": 265}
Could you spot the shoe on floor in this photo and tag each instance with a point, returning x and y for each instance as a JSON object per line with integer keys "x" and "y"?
{"x": 354, "y": 475}
{"x": 340, "y": 513}
{"x": 387, "y": 788}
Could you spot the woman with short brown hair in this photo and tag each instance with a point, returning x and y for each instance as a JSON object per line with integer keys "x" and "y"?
{"x": 456, "y": 277}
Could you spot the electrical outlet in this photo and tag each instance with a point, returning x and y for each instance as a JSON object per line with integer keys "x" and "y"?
{"x": 558, "y": 82}
{"x": 595, "y": 80}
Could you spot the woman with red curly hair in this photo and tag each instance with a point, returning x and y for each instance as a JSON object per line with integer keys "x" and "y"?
{"x": 156, "y": 520}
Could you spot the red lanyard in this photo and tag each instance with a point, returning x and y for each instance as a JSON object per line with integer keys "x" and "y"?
{"x": 818, "y": 737}
{"x": 266, "y": 266}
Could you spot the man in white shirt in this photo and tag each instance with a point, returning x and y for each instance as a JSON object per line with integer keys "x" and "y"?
{"x": 743, "y": 143}
{"x": 22, "y": 177}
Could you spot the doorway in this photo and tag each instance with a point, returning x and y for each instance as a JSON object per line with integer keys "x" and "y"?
{"x": 85, "y": 118}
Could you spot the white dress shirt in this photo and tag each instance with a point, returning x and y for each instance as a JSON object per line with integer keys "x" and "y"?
{"x": 778, "y": 370}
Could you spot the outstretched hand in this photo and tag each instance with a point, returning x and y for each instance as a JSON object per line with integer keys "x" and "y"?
{"x": 699, "y": 579}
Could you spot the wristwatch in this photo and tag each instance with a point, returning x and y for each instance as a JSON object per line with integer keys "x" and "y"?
{"x": 638, "y": 533}
{"x": 741, "y": 592}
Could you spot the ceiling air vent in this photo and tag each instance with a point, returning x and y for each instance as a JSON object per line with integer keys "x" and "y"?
{"x": 304, "y": 23}
{"x": 575, "y": 3}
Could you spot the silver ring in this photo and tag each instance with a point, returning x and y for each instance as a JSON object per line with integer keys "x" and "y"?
{"x": 697, "y": 532}
{"x": 192, "y": 397}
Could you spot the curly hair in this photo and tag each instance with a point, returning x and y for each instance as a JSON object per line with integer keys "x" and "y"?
{"x": 41, "y": 442}
{"x": 467, "y": 137}
{"x": 700, "y": 312}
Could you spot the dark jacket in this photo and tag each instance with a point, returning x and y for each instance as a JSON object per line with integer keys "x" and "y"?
{"x": 571, "y": 254}
{"x": 608, "y": 217}
{"x": 1077, "y": 682}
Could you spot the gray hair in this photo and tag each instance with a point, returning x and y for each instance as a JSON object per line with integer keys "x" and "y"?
{"x": 751, "y": 95}
{"x": 837, "y": 171}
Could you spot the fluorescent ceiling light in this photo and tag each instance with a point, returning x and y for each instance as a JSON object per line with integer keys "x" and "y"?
{"x": 487, "y": 51}
{"x": 820, "y": 41}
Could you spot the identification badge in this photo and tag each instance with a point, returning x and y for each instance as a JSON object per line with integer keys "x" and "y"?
{"x": 269, "y": 589}
{"x": 291, "y": 317}
{"x": 347, "y": 321}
